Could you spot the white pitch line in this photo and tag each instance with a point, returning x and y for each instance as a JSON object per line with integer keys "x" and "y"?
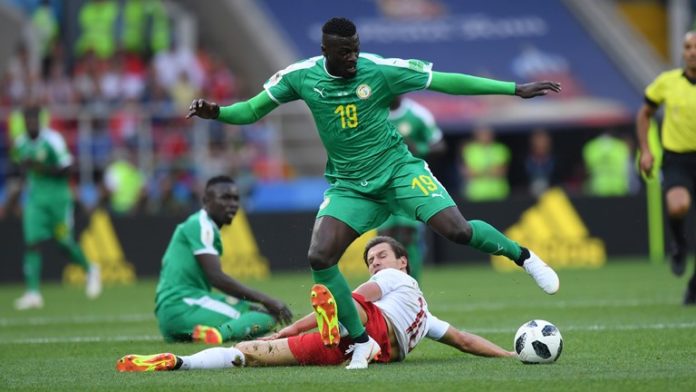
{"x": 84, "y": 339}
{"x": 459, "y": 307}
{"x": 95, "y": 319}
{"x": 618, "y": 303}
{"x": 149, "y": 338}
{"x": 599, "y": 328}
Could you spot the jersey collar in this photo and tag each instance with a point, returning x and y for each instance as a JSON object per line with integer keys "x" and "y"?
{"x": 323, "y": 64}
{"x": 692, "y": 81}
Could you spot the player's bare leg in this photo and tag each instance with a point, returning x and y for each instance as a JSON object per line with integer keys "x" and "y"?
{"x": 267, "y": 353}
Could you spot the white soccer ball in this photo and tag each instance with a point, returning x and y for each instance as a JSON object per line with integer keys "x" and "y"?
{"x": 538, "y": 341}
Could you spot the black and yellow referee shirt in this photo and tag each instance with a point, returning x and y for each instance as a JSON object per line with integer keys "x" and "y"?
{"x": 678, "y": 94}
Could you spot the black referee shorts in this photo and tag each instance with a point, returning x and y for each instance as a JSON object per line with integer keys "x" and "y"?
{"x": 679, "y": 169}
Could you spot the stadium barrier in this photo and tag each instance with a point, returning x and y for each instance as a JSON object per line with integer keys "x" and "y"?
{"x": 567, "y": 231}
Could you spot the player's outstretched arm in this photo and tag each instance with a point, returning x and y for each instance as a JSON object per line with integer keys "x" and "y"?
{"x": 304, "y": 324}
{"x": 462, "y": 84}
{"x": 245, "y": 112}
{"x": 473, "y": 344}
{"x": 211, "y": 266}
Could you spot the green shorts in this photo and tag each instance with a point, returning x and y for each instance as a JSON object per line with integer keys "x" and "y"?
{"x": 45, "y": 220}
{"x": 406, "y": 189}
{"x": 177, "y": 318}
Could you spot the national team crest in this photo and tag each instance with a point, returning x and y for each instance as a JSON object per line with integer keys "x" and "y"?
{"x": 363, "y": 91}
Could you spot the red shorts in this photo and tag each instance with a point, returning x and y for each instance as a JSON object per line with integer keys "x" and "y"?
{"x": 308, "y": 348}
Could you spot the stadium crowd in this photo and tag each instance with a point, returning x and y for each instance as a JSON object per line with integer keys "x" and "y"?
{"x": 118, "y": 91}
{"x": 117, "y": 96}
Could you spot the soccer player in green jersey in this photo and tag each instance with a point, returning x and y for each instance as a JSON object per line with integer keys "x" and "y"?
{"x": 186, "y": 308}
{"x": 48, "y": 212}
{"x": 424, "y": 138}
{"x": 370, "y": 170}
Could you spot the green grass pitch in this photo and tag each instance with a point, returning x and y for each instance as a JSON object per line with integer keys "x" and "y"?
{"x": 623, "y": 325}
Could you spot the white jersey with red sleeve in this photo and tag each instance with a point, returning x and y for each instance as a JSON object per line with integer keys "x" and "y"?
{"x": 404, "y": 305}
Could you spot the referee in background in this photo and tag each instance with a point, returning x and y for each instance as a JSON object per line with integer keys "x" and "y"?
{"x": 676, "y": 89}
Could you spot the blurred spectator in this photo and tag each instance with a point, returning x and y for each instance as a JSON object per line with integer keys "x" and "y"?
{"x": 221, "y": 85}
{"x": 100, "y": 143}
{"x": 177, "y": 59}
{"x": 125, "y": 125}
{"x": 124, "y": 184}
{"x": 607, "y": 159}
{"x": 484, "y": 167}
{"x": 216, "y": 161}
{"x": 46, "y": 25}
{"x": 97, "y": 19}
{"x": 540, "y": 164}
{"x": 86, "y": 80}
{"x": 145, "y": 27}
{"x": 59, "y": 88}
{"x": 22, "y": 77}
{"x": 174, "y": 190}
{"x": 123, "y": 78}
{"x": 183, "y": 91}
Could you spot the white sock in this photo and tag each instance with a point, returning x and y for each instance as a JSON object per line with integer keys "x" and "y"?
{"x": 342, "y": 331}
{"x": 213, "y": 358}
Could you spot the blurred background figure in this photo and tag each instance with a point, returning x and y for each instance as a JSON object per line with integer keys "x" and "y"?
{"x": 540, "y": 163}
{"x": 124, "y": 184}
{"x": 97, "y": 19}
{"x": 484, "y": 167}
{"x": 675, "y": 90}
{"x": 48, "y": 212}
{"x": 608, "y": 161}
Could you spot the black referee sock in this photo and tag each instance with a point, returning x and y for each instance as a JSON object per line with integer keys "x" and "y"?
{"x": 676, "y": 225}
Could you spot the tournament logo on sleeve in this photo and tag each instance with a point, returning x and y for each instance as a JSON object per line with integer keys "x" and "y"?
{"x": 363, "y": 91}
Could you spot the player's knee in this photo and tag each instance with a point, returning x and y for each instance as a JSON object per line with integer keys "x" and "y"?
{"x": 320, "y": 259}
{"x": 678, "y": 207}
{"x": 678, "y": 202}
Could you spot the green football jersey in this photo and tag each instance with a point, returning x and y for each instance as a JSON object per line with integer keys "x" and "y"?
{"x": 50, "y": 149}
{"x": 181, "y": 274}
{"x": 351, "y": 113}
{"x": 416, "y": 125}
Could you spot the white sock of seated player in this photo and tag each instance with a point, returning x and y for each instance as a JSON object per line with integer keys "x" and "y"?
{"x": 213, "y": 358}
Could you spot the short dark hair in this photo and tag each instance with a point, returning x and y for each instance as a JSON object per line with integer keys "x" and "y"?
{"x": 341, "y": 27}
{"x": 219, "y": 180}
{"x": 396, "y": 246}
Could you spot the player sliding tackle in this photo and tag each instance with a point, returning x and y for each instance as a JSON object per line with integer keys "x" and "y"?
{"x": 370, "y": 170}
{"x": 390, "y": 305}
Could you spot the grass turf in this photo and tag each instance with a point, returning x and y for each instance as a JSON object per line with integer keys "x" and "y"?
{"x": 623, "y": 325}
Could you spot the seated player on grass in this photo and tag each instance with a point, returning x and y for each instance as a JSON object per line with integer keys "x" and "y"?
{"x": 390, "y": 304}
{"x": 186, "y": 308}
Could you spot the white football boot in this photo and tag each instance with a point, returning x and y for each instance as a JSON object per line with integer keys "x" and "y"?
{"x": 363, "y": 353}
{"x": 543, "y": 275}
{"x": 30, "y": 300}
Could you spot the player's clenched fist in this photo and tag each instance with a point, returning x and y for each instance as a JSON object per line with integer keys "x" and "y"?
{"x": 203, "y": 109}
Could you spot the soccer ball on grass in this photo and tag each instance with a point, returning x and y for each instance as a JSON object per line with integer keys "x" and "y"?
{"x": 538, "y": 341}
